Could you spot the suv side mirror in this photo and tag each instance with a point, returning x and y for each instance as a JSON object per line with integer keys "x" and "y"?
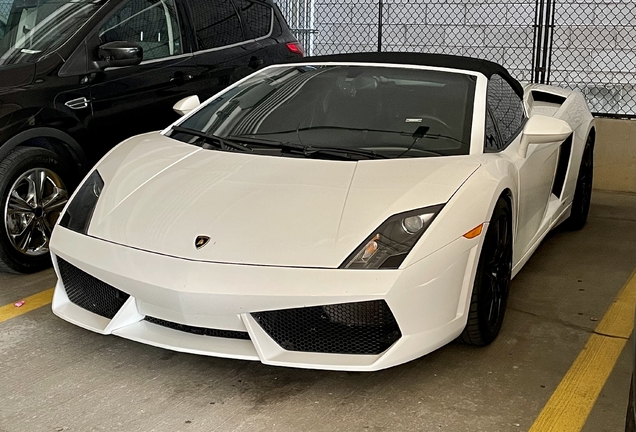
{"x": 542, "y": 129}
{"x": 186, "y": 105}
{"x": 119, "y": 54}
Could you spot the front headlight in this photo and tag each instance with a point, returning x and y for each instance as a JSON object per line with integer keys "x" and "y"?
{"x": 79, "y": 212}
{"x": 387, "y": 247}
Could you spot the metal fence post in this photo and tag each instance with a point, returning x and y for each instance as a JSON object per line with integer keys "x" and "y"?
{"x": 380, "y": 23}
{"x": 537, "y": 41}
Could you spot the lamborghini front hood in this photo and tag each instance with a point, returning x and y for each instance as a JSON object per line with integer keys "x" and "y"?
{"x": 160, "y": 195}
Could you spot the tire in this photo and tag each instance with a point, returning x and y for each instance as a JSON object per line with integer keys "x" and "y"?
{"x": 492, "y": 280}
{"x": 630, "y": 423}
{"x": 29, "y": 214}
{"x": 583, "y": 191}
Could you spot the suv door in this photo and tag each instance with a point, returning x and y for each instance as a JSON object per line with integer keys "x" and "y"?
{"x": 130, "y": 100}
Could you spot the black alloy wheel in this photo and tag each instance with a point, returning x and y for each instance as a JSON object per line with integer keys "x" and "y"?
{"x": 583, "y": 191}
{"x": 32, "y": 196}
{"x": 492, "y": 280}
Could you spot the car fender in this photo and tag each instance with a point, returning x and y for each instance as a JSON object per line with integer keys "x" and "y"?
{"x": 471, "y": 206}
{"x": 72, "y": 145}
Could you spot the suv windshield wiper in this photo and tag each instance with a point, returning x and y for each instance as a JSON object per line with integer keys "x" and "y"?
{"x": 309, "y": 150}
{"x": 216, "y": 141}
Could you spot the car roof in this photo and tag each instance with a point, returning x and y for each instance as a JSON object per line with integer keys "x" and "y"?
{"x": 485, "y": 67}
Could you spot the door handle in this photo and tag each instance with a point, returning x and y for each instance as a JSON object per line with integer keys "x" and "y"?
{"x": 255, "y": 62}
{"x": 180, "y": 76}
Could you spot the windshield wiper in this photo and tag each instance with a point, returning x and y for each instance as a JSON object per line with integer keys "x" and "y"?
{"x": 216, "y": 141}
{"x": 348, "y": 153}
{"x": 309, "y": 150}
{"x": 265, "y": 142}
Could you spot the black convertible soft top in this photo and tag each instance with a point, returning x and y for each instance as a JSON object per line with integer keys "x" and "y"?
{"x": 485, "y": 67}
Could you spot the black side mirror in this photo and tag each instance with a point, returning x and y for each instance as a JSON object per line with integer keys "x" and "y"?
{"x": 119, "y": 54}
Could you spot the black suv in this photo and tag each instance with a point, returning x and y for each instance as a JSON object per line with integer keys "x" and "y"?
{"x": 79, "y": 76}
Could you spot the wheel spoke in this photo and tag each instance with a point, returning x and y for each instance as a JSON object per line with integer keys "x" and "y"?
{"x": 25, "y": 224}
{"x": 31, "y": 196}
{"x": 40, "y": 180}
{"x": 23, "y": 244}
{"x": 46, "y": 235}
{"x": 16, "y": 202}
{"x": 57, "y": 200}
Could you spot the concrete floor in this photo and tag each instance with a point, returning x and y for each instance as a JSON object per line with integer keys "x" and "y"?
{"x": 55, "y": 376}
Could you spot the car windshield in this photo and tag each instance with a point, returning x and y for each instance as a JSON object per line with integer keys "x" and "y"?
{"x": 388, "y": 111}
{"x": 30, "y": 29}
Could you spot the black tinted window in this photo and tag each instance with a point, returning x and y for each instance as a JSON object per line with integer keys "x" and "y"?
{"x": 217, "y": 23}
{"x": 492, "y": 143}
{"x": 257, "y": 17}
{"x": 393, "y": 111}
{"x": 153, "y": 25}
{"x": 506, "y": 106}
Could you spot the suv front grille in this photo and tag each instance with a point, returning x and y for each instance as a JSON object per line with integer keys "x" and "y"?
{"x": 349, "y": 328}
{"x": 89, "y": 292}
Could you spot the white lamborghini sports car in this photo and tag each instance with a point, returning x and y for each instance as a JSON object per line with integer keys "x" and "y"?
{"x": 350, "y": 212}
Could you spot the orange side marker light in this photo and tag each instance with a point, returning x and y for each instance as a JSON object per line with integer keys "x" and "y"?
{"x": 474, "y": 232}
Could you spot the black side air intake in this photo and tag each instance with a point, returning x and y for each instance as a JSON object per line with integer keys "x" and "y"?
{"x": 89, "y": 292}
{"x": 349, "y": 328}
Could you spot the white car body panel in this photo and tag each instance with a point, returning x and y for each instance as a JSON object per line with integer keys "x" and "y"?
{"x": 281, "y": 227}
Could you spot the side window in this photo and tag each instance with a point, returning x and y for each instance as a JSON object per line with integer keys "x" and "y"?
{"x": 492, "y": 143}
{"x": 257, "y": 18}
{"x": 216, "y": 22}
{"x": 153, "y": 25}
{"x": 506, "y": 106}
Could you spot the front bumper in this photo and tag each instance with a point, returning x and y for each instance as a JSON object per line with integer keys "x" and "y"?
{"x": 429, "y": 301}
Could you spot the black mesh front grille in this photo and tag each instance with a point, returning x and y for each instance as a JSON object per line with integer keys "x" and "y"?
{"x": 90, "y": 293}
{"x": 228, "y": 334}
{"x": 349, "y": 328}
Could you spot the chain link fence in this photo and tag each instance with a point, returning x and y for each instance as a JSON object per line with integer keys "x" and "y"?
{"x": 5, "y": 9}
{"x": 594, "y": 51}
{"x": 588, "y": 45}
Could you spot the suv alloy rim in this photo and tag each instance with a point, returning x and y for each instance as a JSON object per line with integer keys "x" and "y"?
{"x": 33, "y": 205}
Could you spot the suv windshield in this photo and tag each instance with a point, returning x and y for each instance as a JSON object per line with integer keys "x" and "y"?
{"x": 30, "y": 29}
{"x": 387, "y": 111}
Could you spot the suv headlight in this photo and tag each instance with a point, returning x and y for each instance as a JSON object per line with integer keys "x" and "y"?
{"x": 79, "y": 212}
{"x": 387, "y": 247}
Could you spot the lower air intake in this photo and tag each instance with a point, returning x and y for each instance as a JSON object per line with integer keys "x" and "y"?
{"x": 349, "y": 328}
{"x": 89, "y": 292}
{"x": 228, "y": 334}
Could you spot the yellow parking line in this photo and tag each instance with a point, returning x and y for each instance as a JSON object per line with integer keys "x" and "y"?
{"x": 30, "y": 303}
{"x": 570, "y": 404}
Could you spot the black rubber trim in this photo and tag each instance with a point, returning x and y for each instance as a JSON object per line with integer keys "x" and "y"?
{"x": 201, "y": 331}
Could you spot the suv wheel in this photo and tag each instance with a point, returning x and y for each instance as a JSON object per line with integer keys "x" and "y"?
{"x": 33, "y": 193}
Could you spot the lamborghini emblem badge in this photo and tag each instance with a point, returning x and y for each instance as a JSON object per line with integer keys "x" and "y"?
{"x": 201, "y": 241}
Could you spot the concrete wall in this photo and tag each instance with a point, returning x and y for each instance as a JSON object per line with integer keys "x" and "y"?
{"x": 615, "y": 155}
